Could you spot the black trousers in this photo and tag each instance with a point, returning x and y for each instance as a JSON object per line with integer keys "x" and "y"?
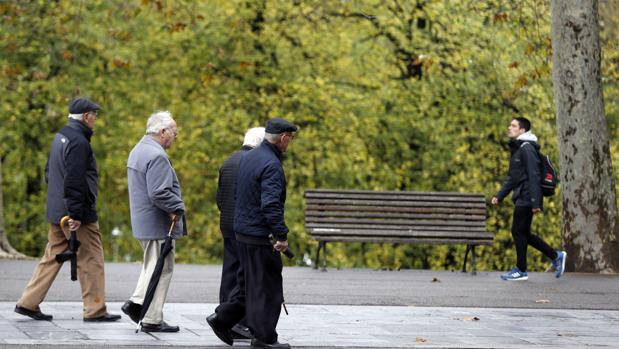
{"x": 521, "y": 232}
{"x": 229, "y": 270}
{"x": 259, "y": 294}
{"x": 229, "y": 273}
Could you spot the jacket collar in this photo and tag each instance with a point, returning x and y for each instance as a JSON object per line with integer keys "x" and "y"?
{"x": 273, "y": 148}
{"x": 147, "y": 139}
{"x": 78, "y": 125}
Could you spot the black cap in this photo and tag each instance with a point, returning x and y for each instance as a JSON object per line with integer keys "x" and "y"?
{"x": 82, "y": 105}
{"x": 277, "y": 126}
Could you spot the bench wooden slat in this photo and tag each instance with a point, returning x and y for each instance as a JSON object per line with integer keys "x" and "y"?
{"x": 389, "y": 197}
{"x": 389, "y": 222}
{"x": 387, "y": 192}
{"x": 394, "y": 222}
{"x": 481, "y": 205}
{"x": 312, "y": 216}
{"x": 402, "y": 233}
{"x": 441, "y": 230}
{"x": 406, "y": 240}
{"x": 334, "y": 208}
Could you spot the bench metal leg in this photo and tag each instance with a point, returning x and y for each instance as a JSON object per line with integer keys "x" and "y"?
{"x": 324, "y": 255}
{"x": 466, "y": 254}
{"x": 321, "y": 245}
{"x": 317, "y": 254}
{"x": 473, "y": 261}
{"x": 470, "y": 248}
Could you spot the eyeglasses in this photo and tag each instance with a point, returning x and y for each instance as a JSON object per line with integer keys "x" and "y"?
{"x": 291, "y": 135}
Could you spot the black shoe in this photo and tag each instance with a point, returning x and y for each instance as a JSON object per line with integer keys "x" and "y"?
{"x": 103, "y": 318}
{"x": 162, "y": 327}
{"x": 256, "y": 343}
{"x": 132, "y": 310}
{"x": 35, "y": 314}
{"x": 221, "y": 331}
{"x": 239, "y": 331}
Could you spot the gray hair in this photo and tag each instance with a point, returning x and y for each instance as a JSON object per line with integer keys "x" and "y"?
{"x": 79, "y": 117}
{"x": 272, "y": 137}
{"x": 158, "y": 121}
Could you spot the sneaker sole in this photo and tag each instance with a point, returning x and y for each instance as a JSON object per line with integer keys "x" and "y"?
{"x": 518, "y": 279}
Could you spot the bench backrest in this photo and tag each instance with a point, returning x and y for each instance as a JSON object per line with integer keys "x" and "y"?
{"x": 396, "y": 216}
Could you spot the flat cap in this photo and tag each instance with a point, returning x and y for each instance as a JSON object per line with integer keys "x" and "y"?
{"x": 278, "y": 125}
{"x": 82, "y": 105}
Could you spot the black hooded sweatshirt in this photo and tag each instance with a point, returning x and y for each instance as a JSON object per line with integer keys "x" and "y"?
{"x": 524, "y": 175}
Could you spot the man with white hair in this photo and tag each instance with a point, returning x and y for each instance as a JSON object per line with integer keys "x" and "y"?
{"x": 225, "y": 202}
{"x": 71, "y": 175}
{"x": 259, "y": 218}
{"x": 155, "y": 201}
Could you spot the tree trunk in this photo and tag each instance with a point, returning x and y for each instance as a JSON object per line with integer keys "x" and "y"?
{"x": 6, "y": 250}
{"x": 590, "y": 226}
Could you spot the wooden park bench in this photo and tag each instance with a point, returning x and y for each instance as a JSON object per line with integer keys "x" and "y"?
{"x": 396, "y": 217}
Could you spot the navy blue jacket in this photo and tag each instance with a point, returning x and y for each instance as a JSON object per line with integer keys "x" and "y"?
{"x": 71, "y": 175}
{"x": 524, "y": 175}
{"x": 261, "y": 194}
{"x": 226, "y": 186}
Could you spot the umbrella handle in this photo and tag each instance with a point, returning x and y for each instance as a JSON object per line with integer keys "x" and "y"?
{"x": 64, "y": 220}
{"x": 172, "y": 225}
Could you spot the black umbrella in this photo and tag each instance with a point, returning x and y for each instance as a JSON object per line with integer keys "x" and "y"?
{"x": 71, "y": 253}
{"x": 154, "y": 279}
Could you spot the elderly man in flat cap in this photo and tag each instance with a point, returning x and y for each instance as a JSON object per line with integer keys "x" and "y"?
{"x": 259, "y": 212}
{"x": 71, "y": 174}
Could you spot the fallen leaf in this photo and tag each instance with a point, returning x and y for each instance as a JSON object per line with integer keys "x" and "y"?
{"x": 420, "y": 340}
{"x": 436, "y": 280}
{"x": 471, "y": 318}
{"x": 542, "y": 301}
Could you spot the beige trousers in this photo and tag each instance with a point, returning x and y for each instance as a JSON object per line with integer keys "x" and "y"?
{"x": 152, "y": 251}
{"x": 90, "y": 271}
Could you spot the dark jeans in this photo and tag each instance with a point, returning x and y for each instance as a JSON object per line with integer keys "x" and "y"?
{"x": 259, "y": 294}
{"x": 521, "y": 232}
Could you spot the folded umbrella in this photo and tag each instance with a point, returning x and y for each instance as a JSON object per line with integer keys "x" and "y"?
{"x": 71, "y": 253}
{"x": 154, "y": 279}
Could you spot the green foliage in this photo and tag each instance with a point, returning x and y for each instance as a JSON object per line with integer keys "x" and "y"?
{"x": 390, "y": 95}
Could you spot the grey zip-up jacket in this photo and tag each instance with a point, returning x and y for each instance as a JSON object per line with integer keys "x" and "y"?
{"x": 154, "y": 191}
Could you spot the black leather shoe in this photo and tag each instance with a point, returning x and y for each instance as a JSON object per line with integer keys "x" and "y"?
{"x": 162, "y": 327}
{"x": 104, "y": 318}
{"x": 239, "y": 331}
{"x": 221, "y": 331}
{"x": 35, "y": 314}
{"x": 132, "y": 310}
{"x": 258, "y": 344}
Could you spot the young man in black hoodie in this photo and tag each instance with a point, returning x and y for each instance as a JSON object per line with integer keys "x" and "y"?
{"x": 524, "y": 179}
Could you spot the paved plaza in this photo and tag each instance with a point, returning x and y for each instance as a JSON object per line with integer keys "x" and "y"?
{"x": 355, "y": 308}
